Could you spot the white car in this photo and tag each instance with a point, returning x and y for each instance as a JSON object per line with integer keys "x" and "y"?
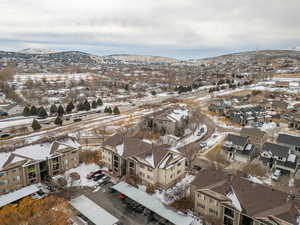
{"x": 276, "y": 175}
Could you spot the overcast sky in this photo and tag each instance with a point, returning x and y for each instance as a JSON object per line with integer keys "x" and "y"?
{"x": 176, "y": 28}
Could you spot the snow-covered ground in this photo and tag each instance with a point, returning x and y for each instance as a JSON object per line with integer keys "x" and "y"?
{"x": 197, "y": 135}
{"x": 10, "y": 123}
{"x": 83, "y": 170}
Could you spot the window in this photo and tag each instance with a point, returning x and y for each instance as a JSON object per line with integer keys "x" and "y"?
{"x": 149, "y": 169}
{"x": 142, "y": 167}
{"x": 171, "y": 176}
{"x": 213, "y": 212}
{"x": 148, "y": 177}
{"x": 2, "y": 174}
{"x": 131, "y": 164}
{"x": 228, "y": 212}
{"x": 201, "y": 206}
{"x": 179, "y": 164}
{"x": 179, "y": 171}
{"x": 228, "y": 221}
{"x": 66, "y": 161}
{"x": 55, "y": 160}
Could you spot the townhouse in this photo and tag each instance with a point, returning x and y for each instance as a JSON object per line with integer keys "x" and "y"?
{"x": 238, "y": 148}
{"x": 291, "y": 141}
{"x": 256, "y": 136}
{"x": 36, "y": 163}
{"x": 279, "y": 157}
{"x": 153, "y": 165}
{"x": 232, "y": 199}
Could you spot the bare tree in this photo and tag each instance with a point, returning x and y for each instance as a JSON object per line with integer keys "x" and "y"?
{"x": 189, "y": 151}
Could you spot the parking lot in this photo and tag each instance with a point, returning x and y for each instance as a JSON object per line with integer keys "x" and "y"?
{"x": 112, "y": 203}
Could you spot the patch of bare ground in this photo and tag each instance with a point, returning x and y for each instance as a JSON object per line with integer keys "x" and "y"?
{"x": 292, "y": 75}
{"x": 216, "y": 155}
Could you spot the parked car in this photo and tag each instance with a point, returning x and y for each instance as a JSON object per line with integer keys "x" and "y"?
{"x": 2, "y": 113}
{"x": 104, "y": 179}
{"x": 92, "y": 174}
{"x": 198, "y": 168}
{"x": 276, "y": 175}
{"x": 203, "y": 144}
{"x": 122, "y": 196}
{"x": 98, "y": 177}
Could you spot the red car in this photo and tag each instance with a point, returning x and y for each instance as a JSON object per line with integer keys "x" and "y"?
{"x": 122, "y": 196}
{"x": 92, "y": 174}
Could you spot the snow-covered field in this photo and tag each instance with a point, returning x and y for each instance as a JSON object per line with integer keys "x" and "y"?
{"x": 4, "y": 124}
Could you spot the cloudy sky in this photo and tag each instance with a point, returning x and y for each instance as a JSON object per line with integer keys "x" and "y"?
{"x": 176, "y": 28}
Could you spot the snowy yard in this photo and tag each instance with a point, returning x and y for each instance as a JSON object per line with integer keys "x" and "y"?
{"x": 83, "y": 170}
{"x": 180, "y": 190}
{"x": 197, "y": 135}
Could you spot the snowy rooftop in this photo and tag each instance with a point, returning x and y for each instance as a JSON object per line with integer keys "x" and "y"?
{"x": 92, "y": 211}
{"x": 153, "y": 204}
{"x": 178, "y": 115}
{"x": 37, "y": 151}
{"x": 16, "y": 195}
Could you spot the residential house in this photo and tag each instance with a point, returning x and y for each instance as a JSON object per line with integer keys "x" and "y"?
{"x": 238, "y": 148}
{"x": 35, "y": 163}
{"x": 170, "y": 121}
{"x": 153, "y": 165}
{"x": 279, "y": 157}
{"x": 293, "y": 120}
{"x": 233, "y": 199}
{"x": 256, "y": 136}
{"x": 291, "y": 141}
{"x": 280, "y": 106}
{"x": 248, "y": 115}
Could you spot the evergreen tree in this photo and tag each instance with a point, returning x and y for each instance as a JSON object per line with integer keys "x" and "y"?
{"x": 35, "y": 125}
{"x": 94, "y": 104}
{"x": 26, "y": 111}
{"x": 42, "y": 113}
{"x": 99, "y": 102}
{"x": 80, "y": 107}
{"x": 70, "y": 107}
{"x": 53, "y": 109}
{"x": 109, "y": 110}
{"x": 116, "y": 110}
{"x": 105, "y": 109}
{"x": 58, "y": 121}
{"x": 33, "y": 110}
{"x": 60, "y": 110}
{"x": 87, "y": 105}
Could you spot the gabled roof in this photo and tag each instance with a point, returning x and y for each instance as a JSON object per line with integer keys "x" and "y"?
{"x": 237, "y": 140}
{"x": 276, "y": 150}
{"x": 131, "y": 145}
{"x": 36, "y": 152}
{"x": 288, "y": 139}
{"x": 256, "y": 200}
{"x": 245, "y": 132}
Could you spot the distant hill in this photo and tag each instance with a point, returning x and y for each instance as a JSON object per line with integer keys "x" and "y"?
{"x": 143, "y": 58}
{"x": 255, "y": 56}
{"x": 41, "y": 60}
{"x": 35, "y": 51}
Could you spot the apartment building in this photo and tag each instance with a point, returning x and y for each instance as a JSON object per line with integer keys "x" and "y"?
{"x": 35, "y": 163}
{"x": 232, "y": 199}
{"x": 169, "y": 121}
{"x": 152, "y": 164}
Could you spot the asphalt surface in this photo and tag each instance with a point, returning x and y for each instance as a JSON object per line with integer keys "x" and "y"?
{"x": 112, "y": 204}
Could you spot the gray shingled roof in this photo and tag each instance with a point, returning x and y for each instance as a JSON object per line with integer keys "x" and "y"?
{"x": 237, "y": 140}
{"x": 288, "y": 139}
{"x": 277, "y": 150}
